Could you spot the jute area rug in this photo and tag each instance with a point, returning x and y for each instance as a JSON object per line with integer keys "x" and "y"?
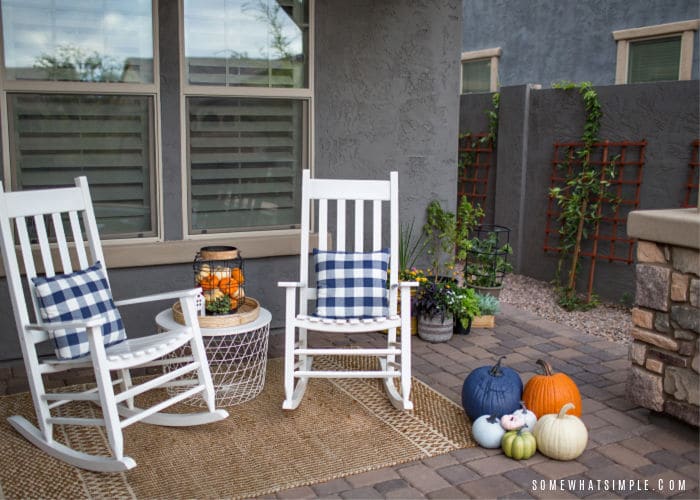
{"x": 342, "y": 427}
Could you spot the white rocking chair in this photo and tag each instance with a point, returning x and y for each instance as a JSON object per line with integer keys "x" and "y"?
{"x": 395, "y": 358}
{"x": 71, "y": 206}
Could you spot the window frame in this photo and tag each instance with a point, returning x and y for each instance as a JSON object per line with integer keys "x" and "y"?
{"x": 624, "y": 37}
{"x": 493, "y": 55}
{"x": 149, "y": 90}
{"x": 303, "y": 94}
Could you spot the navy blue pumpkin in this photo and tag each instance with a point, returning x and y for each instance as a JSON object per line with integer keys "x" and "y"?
{"x": 492, "y": 390}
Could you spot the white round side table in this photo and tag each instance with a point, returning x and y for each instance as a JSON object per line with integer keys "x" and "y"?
{"x": 237, "y": 358}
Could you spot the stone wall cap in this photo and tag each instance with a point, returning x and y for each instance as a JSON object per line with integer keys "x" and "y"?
{"x": 677, "y": 226}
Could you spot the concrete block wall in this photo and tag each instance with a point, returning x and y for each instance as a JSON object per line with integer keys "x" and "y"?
{"x": 531, "y": 120}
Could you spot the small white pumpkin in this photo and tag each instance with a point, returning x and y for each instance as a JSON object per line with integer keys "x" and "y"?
{"x": 562, "y": 436}
{"x": 487, "y": 431}
{"x": 512, "y": 422}
{"x": 529, "y": 417}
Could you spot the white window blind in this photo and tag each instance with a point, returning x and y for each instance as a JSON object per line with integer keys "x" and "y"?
{"x": 654, "y": 60}
{"x": 57, "y": 137}
{"x": 245, "y": 158}
{"x": 476, "y": 76}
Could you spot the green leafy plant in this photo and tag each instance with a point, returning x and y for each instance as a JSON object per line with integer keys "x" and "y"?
{"x": 434, "y": 298}
{"x": 488, "y": 304}
{"x": 580, "y": 200}
{"x": 468, "y": 217}
{"x": 487, "y": 261}
{"x": 465, "y": 305}
{"x": 220, "y": 305}
{"x": 410, "y": 248}
{"x": 440, "y": 231}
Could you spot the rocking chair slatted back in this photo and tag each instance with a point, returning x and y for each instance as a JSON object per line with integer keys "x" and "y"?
{"x": 53, "y": 247}
{"x": 318, "y": 194}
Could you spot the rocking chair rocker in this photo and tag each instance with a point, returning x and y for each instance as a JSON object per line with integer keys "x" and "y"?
{"x": 76, "y": 311}
{"x": 350, "y": 289}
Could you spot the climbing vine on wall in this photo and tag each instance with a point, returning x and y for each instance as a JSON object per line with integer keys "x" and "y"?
{"x": 474, "y": 160}
{"x": 584, "y": 191}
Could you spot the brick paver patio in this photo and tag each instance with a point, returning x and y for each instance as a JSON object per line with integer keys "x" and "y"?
{"x": 654, "y": 455}
{"x": 644, "y": 450}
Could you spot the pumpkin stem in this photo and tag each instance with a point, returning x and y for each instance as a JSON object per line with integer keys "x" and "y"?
{"x": 565, "y": 408}
{"x": 546, "y": 367}
{"x": 522, "y": 406}
{"x": 496, "y": 369}
{"x": 492, "y": 419}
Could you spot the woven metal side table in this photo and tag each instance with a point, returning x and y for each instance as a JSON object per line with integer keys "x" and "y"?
{"x": 237, "y": 358}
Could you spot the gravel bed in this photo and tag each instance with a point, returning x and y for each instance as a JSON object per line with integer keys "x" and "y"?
{"x": 610, "y": 321}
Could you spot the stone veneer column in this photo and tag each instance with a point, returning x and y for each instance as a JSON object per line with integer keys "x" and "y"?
{"x": 665, "y": 351}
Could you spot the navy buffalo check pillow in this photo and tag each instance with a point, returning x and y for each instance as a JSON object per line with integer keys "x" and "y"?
{"x": 76, "y": 296}
{"x": 351, "y": 284}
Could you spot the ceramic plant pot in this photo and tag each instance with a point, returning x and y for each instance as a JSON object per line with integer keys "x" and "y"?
{"x": 435, "y": 329}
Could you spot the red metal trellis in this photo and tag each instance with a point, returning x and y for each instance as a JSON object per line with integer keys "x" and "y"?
{"x": 475, "y": 157}
{"x": 609, "y": 240}
{"x": 691, "y": 188}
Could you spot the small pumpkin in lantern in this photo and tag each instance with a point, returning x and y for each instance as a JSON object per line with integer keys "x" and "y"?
{"x": 561, "y": 436}
{"x": 491, "y": 390}
{"x": 209, "y": 282}
{"x": 519, "y": 444}
{"x": 547, "y": 393}
{"x": 487, "y": 431}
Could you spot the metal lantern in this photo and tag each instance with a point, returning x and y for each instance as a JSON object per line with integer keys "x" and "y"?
{"x": 219, "y": 271}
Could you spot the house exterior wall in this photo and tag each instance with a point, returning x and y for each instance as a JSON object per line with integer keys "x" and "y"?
{"x": 385, "y": 99}
{"x": 664, "y": 114}
{"x": 545, "y": 42}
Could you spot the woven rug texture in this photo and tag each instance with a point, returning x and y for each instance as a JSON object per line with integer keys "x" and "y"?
{"x": 342, "y": 427}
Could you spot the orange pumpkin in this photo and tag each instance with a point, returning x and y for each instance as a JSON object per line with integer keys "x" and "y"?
{"x": 229, "y": 286}
{"x": 209, "y": 282}
{"x": 237, "y": 275}
{"x": 547, "y": 393}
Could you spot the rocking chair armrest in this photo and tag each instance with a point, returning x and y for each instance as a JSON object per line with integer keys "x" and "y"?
{"x": 189, "y": 292}
{"x": 79, "y": 324}
{"x": 408, "y": 284}
{"x": 291, "y": 284}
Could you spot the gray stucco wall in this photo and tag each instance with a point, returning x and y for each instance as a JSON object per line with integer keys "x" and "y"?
{"x": 386, "y": 96}
{"x": 546, "y": 41}
{"x": 531, "y": 121}
{"x": 385, "y": 99}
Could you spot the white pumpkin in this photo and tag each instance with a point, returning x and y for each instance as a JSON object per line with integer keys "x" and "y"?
{"x": 561, "y": 436}
{"x": 487, "y": 431}
{"x": 529, "y": 417}
{"x": 512, "y": 422}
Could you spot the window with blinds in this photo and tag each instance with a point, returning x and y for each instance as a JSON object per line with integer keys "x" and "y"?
{"x": 247, "y": 102}
{"x": 105, "y": 41}
{"x": 246, "y": 43}
{"x": 108, "y": 138}
{"x": 245, "y": 158}
{"x": 654, "y": 60}
{"x": 476, "y": 76}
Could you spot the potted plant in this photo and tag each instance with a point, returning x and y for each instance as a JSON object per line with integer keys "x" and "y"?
{"x": 488, "y": 307}
{"x": 487, "y": 259}
{"x": 440, "y": 231}
{"x": 434, "y": 303}
{"x": 464, "y": 309}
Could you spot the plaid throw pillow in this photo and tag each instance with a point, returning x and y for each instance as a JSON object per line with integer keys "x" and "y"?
{"x": 351, "y": 284}
{"x": 79, "y": 295}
